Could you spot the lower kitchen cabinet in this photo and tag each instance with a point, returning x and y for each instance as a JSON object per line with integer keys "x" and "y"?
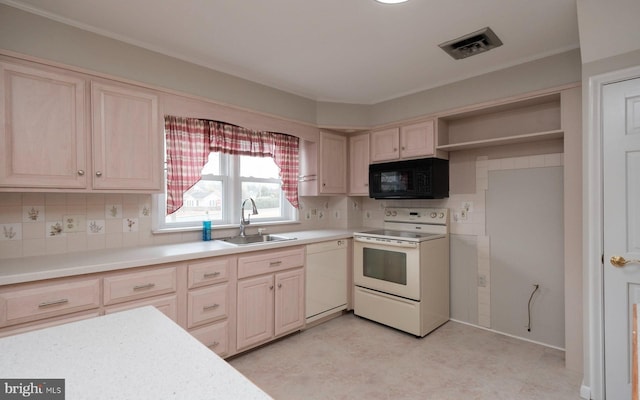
{"x": 39, "y": 300}
{"x": 214, "y": 336}
{"x": 167, "y": 304}
{"x": 255, "y": 311}
{"x": 289, "y": 307}
{"x": 269, "y": 304}
{"x": 210, "y": 301}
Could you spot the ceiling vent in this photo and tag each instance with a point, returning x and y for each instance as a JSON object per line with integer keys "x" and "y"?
{"x": 471, "y": 44}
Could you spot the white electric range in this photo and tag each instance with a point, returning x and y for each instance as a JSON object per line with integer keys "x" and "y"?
{"x": 401, "y": 272}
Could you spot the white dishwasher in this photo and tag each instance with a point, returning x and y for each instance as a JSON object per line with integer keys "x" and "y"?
{"x": 326, "y": 279}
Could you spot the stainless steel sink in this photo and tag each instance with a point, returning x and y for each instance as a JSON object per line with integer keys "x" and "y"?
{"x": 255, "y": 239}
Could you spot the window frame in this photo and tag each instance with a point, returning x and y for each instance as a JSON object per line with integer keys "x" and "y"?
{"x": 231, "y": 200}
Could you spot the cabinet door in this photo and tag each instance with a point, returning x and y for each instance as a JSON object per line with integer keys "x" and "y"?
{"x": 417, "y": 140}
{"x": 126, "y": 138}
{"x": 255, "y": 311}
{"x": 43, "y": 128}
{"x": 333, "y": 171}
{"x": 359, "y": 165}
{"x": 289, "y": 301}
{"x": 385, "y": 145}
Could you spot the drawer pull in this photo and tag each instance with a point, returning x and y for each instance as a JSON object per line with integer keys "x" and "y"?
{"x": 211, "y": 274}
{"x": 53, "y": 303}
{"x": 275, "y": 263}
{"x": 210, "y": 307}
{"x": 144, "y": 287}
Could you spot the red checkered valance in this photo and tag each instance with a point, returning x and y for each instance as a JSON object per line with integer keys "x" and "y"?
{"x": 190, "y": 140}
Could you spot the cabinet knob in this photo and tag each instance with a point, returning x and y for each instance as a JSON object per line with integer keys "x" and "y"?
{"x": 271, "y": 287}
{"x": 81, "y": 172}
{"x": 279, "y": 285}
{"x": 324, "y": 184}
{"x": 98, "y": 173}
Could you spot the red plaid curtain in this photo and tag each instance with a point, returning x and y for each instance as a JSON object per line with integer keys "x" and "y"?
{"x": 190, "y": 140}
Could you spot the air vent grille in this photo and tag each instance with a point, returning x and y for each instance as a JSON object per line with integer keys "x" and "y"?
{"x": 471, "y": 44}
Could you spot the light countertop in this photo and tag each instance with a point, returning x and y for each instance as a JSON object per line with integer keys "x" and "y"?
{"x": 27, "y": 269}
{"x": 136, "y": 354}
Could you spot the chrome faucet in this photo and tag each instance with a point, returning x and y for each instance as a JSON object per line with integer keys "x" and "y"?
{"x": 245, "y": 222}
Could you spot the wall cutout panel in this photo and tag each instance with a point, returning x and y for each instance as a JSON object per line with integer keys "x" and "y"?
{"x": 524, "y": 217}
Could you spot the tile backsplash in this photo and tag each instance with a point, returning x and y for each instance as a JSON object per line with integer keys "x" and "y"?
{"x": 35, "y": 224}
{"x": 54, "y": 223}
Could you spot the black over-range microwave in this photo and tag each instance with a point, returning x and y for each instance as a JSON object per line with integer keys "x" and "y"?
{"x": 425, "y": 178}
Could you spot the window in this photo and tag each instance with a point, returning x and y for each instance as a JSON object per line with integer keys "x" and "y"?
{"x": 227, "y": 180}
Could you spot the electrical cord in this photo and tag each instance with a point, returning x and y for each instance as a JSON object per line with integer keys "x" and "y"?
{"x": 529, "y": 306}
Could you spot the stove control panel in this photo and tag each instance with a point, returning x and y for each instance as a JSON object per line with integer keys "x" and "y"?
{"x": 417, "y": 215}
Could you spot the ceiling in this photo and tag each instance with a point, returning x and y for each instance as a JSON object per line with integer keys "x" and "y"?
{"x": 347, "y": 51}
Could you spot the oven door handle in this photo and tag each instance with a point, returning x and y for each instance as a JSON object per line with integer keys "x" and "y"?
{"x": 387, "y": 242}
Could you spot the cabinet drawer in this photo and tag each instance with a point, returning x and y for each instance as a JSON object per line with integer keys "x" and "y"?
{"x": 47, "y": 323}
{"x": 214, "y": 336}
{"x": 207, "y": 305}
{"x": 39, "y": 301}
{"x": 138, "y": 285}
{"x": 168, "y": 305}
{"x": 208, "y": 272}
{"x": 271, "y": 261}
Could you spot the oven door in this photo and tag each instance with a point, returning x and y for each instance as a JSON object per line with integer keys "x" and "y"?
{"x": 392, "y": 268}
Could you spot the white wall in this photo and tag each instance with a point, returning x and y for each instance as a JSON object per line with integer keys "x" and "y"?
{"x": 608, "y": 28}
{"x": 526, "y": 234}
{"x": 37, "y": 36}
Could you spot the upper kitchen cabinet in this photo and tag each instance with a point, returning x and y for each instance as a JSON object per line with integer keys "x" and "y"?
{"x": 522, "y": 120}
{"x": 333, "y": 163}
{"x": 323, "y": 165}
{"x": 126, "y": 140}
{"x": 359, "y": 165}
{"x": 43, "y": 129}
{"x": 62, "y": 130}
{"x": 385, "y": 145}
{"x": 407, "y": 141}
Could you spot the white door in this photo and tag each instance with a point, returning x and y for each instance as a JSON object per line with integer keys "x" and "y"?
{"x": 621, "y": 154}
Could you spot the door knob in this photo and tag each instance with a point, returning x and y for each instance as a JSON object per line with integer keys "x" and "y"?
{"x": 619, "y": 261}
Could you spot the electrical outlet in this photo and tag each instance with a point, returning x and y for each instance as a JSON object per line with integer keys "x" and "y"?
{"x": 464, "y": 215}
{"x": 467, "y": 206}
{"x": 314, "y": 211}
{"x": 482, "y": 281}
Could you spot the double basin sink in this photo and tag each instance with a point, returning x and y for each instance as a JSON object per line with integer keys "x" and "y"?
{"x": 255, "y": 239}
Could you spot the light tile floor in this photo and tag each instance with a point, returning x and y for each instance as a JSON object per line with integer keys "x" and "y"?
{"x": 353, "y": 358}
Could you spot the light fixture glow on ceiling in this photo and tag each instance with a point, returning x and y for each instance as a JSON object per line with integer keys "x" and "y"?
{"x": 391, "y": 1}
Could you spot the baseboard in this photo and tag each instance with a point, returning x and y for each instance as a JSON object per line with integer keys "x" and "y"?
{"x": 507, "y": 334}
{"x": 585, "y": 392}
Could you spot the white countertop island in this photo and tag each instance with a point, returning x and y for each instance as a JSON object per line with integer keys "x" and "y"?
{"x": 138, "y": 354}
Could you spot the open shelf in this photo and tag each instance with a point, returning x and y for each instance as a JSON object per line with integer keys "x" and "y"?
{"x": 525, "y": 120}
{"x": 526, "y": 138}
